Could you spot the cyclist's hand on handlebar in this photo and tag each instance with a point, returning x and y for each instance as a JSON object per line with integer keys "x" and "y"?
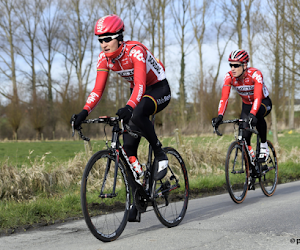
{"x": 217, "y": 120}
{"x": 125, "y": 113}
{"x": 252, "y": 120}
{"x": 79, "y": 118}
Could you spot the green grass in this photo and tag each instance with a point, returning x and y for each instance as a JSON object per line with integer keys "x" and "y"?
{"x": 23, "y": 153}
{"x": 47, "y": 210}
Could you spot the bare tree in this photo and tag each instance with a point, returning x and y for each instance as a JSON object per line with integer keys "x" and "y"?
{"x": 221, "y": 51}
{"x": 8, "y": 26}
{"x": 233, "y": 13}
{"x": 293, "y": 25}
{"x": 29, "y": 14}
{"x": 180, "y": 14}
{"x": 198, "y": 14}
{"x": 253, "y": 23}
{"x": 78, "y": 37}
{"x": 48, "y": 43}
{"x": 274, "y": 46}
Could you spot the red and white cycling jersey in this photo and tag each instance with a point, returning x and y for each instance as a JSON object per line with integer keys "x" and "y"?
{"x": 135, "y": 63}
{"x": 251, "y": 88}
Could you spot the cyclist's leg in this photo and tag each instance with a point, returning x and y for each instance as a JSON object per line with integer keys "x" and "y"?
{"x": 244, "y": 114}
{"x": 130, "y": 146}
{"x": 130, "y": 143}
{"x": 264, "y": 110}
{"x": 156, "y": 98}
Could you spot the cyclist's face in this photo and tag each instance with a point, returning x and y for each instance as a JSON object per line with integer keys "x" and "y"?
{"x": 110, "y": 47}
{"x": 237, "y": 68}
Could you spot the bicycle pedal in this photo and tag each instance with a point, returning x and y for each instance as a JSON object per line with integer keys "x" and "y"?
{"x": 251, "y": 187}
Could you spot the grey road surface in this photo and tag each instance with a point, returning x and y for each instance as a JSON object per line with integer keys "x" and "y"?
{"x": 214, "y": 222}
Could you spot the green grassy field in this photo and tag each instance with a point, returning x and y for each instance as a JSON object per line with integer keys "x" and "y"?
{"x": 23, "y": 153}
{"x": 40, "y": 181}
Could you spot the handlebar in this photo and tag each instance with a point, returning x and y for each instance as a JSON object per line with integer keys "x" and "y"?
{"x": 111, "y": 121}
{"x": 235, "y": 121}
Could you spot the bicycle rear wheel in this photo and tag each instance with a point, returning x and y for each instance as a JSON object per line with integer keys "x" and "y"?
{"x": 269, "y": 176}
{"x": 171, "y": 193}
{"x": 105, "y": 216}
{"x": 237, "y": 172}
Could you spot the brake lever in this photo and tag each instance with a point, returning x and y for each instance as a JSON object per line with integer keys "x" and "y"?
{"x": 216, "y": 128}
{"x": 72, "y": 124}
{"x": 122, "y": 126}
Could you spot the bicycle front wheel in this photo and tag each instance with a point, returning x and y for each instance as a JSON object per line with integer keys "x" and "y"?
{"x": 237, "y": 172}
{"x": 171, "y": 193}
{"x": 269, "y": 175}
{"x": 105, "y": 212}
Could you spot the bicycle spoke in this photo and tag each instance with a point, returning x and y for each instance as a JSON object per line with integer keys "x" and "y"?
{"x": 236, "y": 170}
{"x": 106, "y": 213}
{"x": 171, "y": 193}
{"x": 269, "y": 178}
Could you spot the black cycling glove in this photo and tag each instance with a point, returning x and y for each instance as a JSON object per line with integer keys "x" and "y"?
{"x": 79, "y": 118}
{"x": 217, "y": 120}
{"x": 252, "y": 120}
{"x": 125, "y": 113}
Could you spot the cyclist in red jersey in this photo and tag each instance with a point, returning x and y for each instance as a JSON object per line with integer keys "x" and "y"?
{"x": 249, "y": 84}
{"x": 150, "y": 91}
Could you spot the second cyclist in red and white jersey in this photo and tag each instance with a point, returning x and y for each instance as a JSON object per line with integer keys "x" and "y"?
{"x": 249, "y": 84}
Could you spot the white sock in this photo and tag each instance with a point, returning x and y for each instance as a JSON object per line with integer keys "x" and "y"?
{"x": 264, "y": 145}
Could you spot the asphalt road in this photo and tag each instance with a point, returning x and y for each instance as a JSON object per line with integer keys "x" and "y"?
{"x": 214, "y": 222}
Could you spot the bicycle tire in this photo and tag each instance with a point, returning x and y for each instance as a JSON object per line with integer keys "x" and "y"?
{"x": 105, "y": 217}
{"x": 170, "y": 200}
{"x": 237, "y": 175}
{"x": 269, "y": 179}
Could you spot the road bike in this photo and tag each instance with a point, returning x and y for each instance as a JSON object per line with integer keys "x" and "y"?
{"x": 242, "y": 170}
{"x": 106, "y": 185}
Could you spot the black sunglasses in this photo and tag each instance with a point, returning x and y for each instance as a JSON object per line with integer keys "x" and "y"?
{"x": 235, "y": 65}
{"x": 107, "y": 39}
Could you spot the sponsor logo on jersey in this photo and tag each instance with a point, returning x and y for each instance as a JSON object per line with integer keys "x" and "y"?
{"x": 92, "y": 97}
{"x": 137, "y": 54}
{"x": 100, "y": 58}
{"x": 128, "y": 78}
{"x": 257, "y": 77}
{"x": 220, "y": 104}
{"x": 245, "y": 93}
{"x": 255, "y": 104}
{"x": 141, "y": 91}
{"x": 154, "y": 63}
{"x": 124, "y": 61}
{"x": 245, "y": 88}
{"x": 124, "y": 73}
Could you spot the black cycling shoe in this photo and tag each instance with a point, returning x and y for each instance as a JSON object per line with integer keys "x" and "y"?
{"x": 134, "y": 214}
{"x": 160, "y": 165}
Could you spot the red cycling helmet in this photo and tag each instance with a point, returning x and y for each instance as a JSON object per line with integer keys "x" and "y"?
{"x": 239, "y": 56}
{"x": 109, "y": 24}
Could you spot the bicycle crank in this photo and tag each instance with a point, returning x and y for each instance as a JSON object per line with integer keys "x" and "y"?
{"x": 141, "y": 203}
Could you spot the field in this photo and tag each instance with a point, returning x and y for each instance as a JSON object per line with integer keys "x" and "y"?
{"x": 40, "y": 181}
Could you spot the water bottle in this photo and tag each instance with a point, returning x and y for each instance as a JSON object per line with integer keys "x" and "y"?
{"x": 251, "y": 153}
{"x": 136, "y": 165}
